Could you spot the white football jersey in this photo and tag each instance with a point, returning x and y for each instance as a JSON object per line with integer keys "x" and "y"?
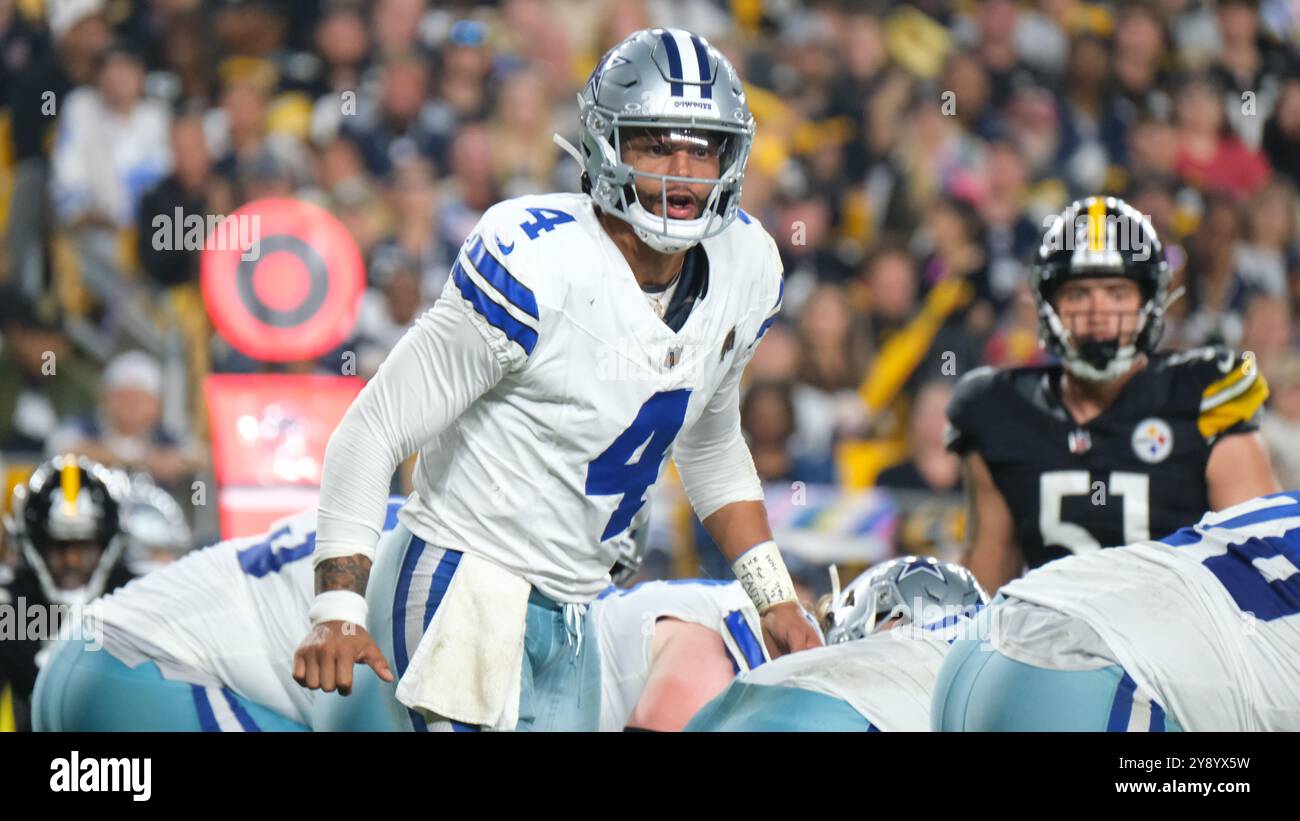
{"x": 1207, "y": 619}
{"x": 625, "y": 620}
{"x": 538, "y": 447}
{"x": 887, "y": 677}
{"x": 229, "y": 615}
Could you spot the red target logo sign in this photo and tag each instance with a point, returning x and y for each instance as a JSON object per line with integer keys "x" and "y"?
{"x": 294, "y": 293}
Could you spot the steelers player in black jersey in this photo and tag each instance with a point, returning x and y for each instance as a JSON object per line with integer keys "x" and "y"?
{"x": 1115, "y": 443}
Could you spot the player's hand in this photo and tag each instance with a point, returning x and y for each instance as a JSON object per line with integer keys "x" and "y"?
{"x": 787, "y": 630}
{"x": 325, "y": 658}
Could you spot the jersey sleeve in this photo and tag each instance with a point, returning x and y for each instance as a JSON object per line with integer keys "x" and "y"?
{"x": 712, "y": 456}
{"x": 969, "y": 398}
{"x": 438, "y": 368}
{"x": 1232, "y": 394}
{"x": 491, "y": 283}
{"x": 772, "y": 296}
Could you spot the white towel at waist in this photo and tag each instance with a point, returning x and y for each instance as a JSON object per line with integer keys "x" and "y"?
{"x": 468, "y": 663}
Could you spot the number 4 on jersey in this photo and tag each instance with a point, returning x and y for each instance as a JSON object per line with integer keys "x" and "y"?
{"x": 614, "y": 472}
{"x": 544, "y": 219}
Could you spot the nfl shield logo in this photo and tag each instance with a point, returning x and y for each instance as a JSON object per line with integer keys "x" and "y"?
{"x": 674, "y": 356}
{"x": 1080, "y": 442}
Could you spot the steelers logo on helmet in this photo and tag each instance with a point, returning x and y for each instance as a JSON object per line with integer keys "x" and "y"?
{"x": 670, "y": 90}
{"x": 1153, "y": 440}
{"x": 1098, "y": 238}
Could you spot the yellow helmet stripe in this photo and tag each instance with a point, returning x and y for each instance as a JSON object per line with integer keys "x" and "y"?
{"x": 1097, "y": 224}
{"x": 70, "y": 482}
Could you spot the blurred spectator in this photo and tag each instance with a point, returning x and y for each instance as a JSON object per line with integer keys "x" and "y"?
{"x": 834, "y": 354}
{"x": 1137, "y": 57}
{"x": 1217, "y": 293}
{"x": 471, "y": 191}
{"x": 1093, "y": 132}
{"x": 1010, "y": 235}
{"x": 952, "y": 233}
{"x": 1262, "y": 257}
{"x": 777, "y": 359}
{"x": 890, "y": 282}
{"x": 1268, "y": 332}
{"x": 386, "y": 311}
{"x": 1210, "y": 157}
{"x": 1280, "y": 425}
{"x": 396, "y": 27}
{"x": 42, "y": 379}
{"x": 112, "y": 146}
{"x": 413, "y": 200}
{"x": 36, "y": 96}
{"x": 465, "y": 76}
{"x": 1246, "y": 66}
{"x": 404, "y": 123}
{"x": 254, "y": 160}
{"x": 930, "y": 466}
{"x": 767, "y": 418}
{"x": 190, "y": 190}
{"x": 127, "y": 432}
{"x": 1015, "y": 340}
{"x": 522, "y": 151}
{"x": 1281, "y": 140}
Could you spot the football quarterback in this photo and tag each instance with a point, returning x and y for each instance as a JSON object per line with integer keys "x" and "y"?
{"x": 581, "y": 340}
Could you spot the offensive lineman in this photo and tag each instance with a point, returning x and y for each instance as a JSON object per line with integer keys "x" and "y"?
{"x": 1116, "y": 443}
{"x": 580, "y": 340}
{"x": 887, "y": 635}
{"x": 204, "y": 643}
{"x": 668, "y": 647}
{"x": 1197, "y": 631}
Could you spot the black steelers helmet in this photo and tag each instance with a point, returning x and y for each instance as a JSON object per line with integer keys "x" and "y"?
{"x": 68, "y": 499}
{"x": 1100, "y": 237}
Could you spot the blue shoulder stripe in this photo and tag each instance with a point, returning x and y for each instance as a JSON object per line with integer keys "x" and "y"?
{"x": 524, "y": 336}
{"x": 491, "y": 269}
{"x": 776, "y": 310}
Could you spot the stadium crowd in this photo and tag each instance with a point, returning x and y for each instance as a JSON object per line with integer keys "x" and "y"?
{"x": 906, "y": 157}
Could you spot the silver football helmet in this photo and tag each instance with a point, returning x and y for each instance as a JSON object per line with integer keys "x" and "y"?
{"x": 154, "y": 526}
{"x": 672, "y": 80}
{"x": 919, "y": 589}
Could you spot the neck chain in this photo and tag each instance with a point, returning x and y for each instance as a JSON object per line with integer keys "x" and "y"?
{"x": 659, "y": 300}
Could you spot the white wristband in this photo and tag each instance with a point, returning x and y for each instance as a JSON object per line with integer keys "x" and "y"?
{"x": 763, "y": 574}
{"x": 338, "y": 605}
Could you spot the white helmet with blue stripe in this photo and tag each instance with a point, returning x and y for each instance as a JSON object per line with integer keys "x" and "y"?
{"x": 918, "y": 589}
{"x": 673, "y": 80}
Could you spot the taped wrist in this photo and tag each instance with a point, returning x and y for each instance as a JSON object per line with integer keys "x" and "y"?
{"x": 763, "y": 574}
{"x": 338, "y": 605}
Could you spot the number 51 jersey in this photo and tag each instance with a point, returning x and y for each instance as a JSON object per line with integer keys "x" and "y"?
{"x": 1135, "y": 472}
{"x": 541, "y": 472}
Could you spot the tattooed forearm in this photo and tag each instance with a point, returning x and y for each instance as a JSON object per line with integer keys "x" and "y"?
{"x": 349, "y": 573}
